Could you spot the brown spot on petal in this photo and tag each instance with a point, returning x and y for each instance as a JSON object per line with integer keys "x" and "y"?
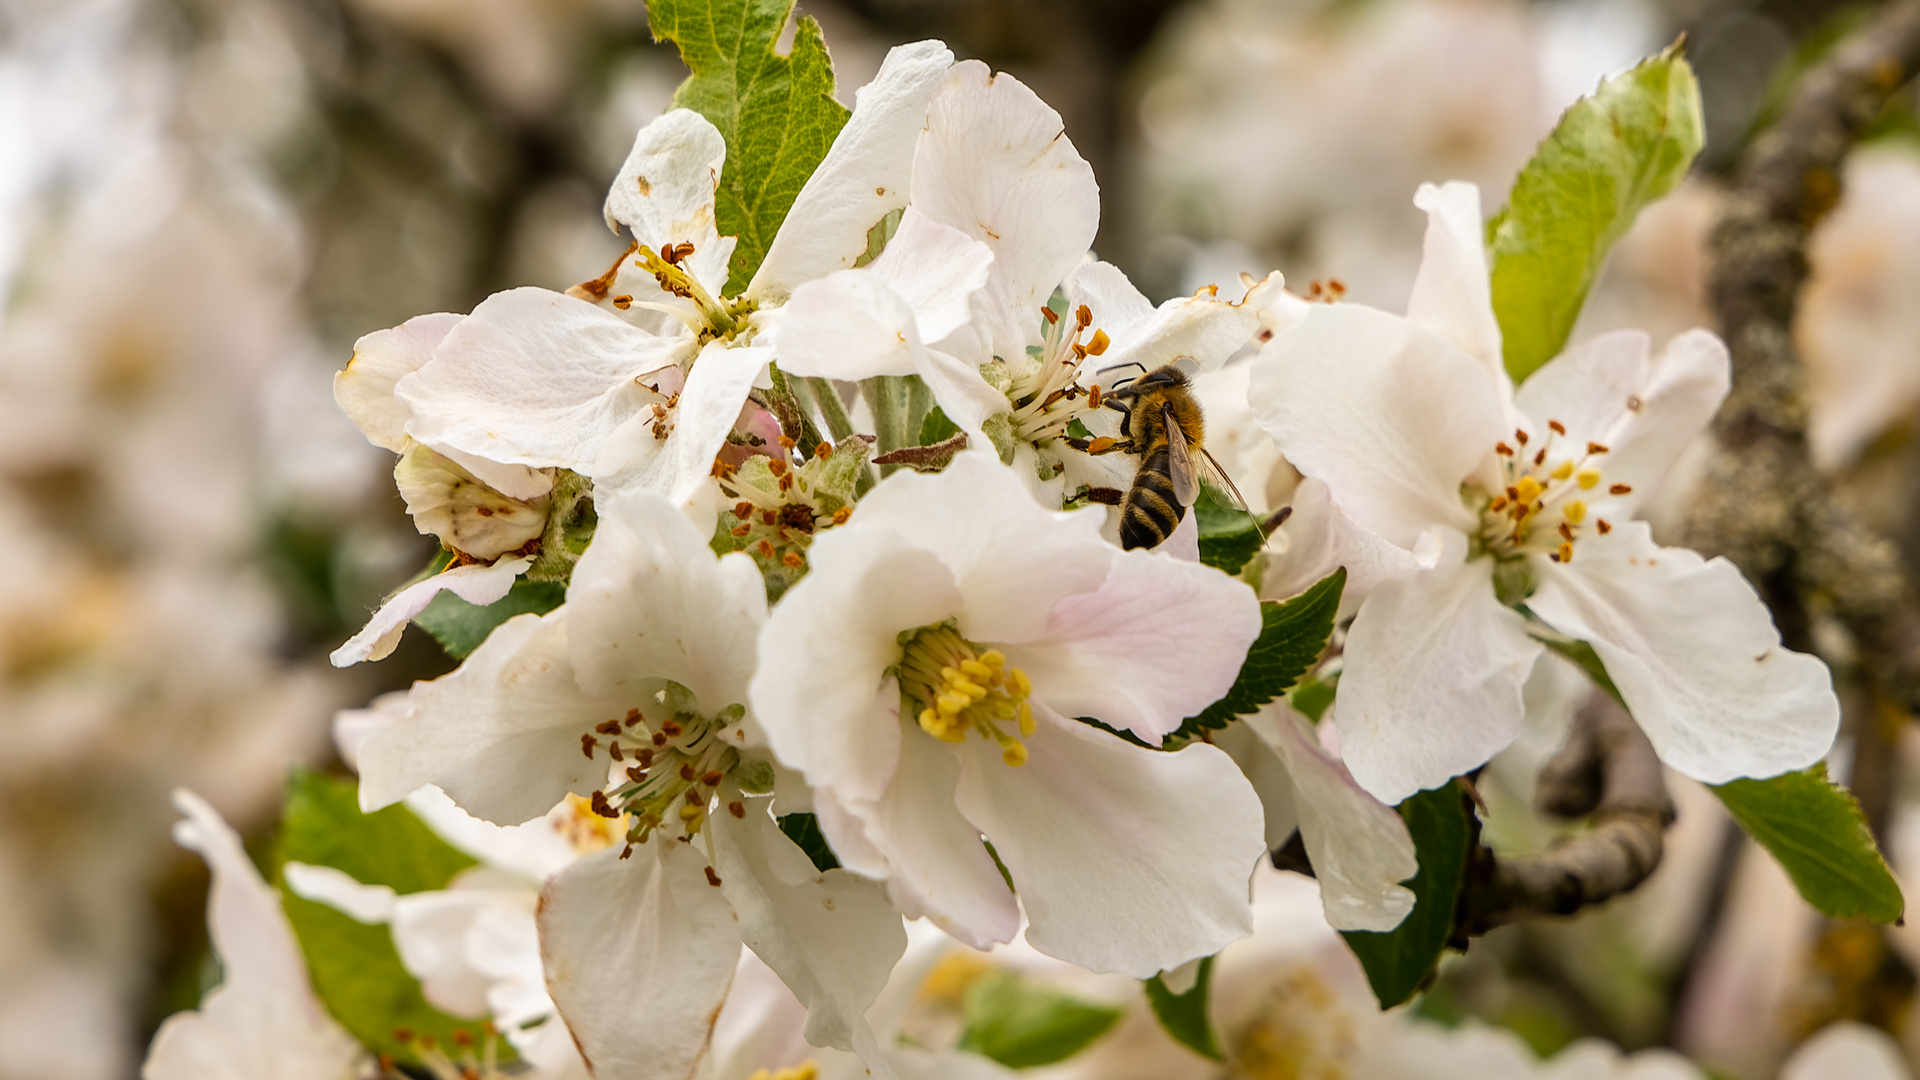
{"x": 645, "y": 189}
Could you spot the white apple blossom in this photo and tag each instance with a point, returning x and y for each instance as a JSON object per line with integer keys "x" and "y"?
{"x": 263, "y": 1019}
{"x": 953, "y": 604}
{"x": 642, "y": 676}
{"x": 1517, "y": 507}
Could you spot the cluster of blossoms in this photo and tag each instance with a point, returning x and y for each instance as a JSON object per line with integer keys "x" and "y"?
{"x": 941, "y": 658}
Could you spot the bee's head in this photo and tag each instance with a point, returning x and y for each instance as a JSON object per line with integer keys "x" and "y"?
{"x": 1161, "y": 378}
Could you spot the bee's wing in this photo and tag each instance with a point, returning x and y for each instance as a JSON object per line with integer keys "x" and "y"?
{"x": 1217, "y": 478}
{"x": 1186, "y": 484}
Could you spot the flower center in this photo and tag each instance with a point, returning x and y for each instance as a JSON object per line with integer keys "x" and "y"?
{"x": 673, "y": 766}
{"x": 1542, "y": 508}
{"x": 954, "y": 688}
{"x": 1048, "y": 397}
{"x": 782, "y": 506}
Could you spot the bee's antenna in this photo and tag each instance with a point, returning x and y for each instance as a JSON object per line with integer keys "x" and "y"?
{"x": 1120, "y": 367}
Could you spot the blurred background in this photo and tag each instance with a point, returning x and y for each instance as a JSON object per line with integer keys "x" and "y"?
{"x": 204, "y": 202}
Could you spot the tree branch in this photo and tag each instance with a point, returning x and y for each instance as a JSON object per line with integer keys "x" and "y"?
{"x": 1607, "y": 769}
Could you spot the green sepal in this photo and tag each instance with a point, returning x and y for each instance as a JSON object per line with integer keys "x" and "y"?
{"x": 1293, "y": 633}
{"x": 1023, "y": 1023}
{"x": 1398, "y": 962}
{"x": 355, "y": 968}
{"x": 1184, "y": 1016}
{"x": 1818, "y": 833}
{"x": 1611, "y": 154}
{"x": 776, "y": 113}
{"x": 461, "y": 627}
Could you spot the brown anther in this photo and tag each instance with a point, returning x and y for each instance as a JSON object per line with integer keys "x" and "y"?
{"x": 1565, "y": 554}
{"x": 601, "y": 806}
{"x": 623, "y": 301}
{"x": 720, "y": 469}
{"x": 1084, "y": 316}
{"x": 794, "y": 559}
{"x": 767, "y": 517}
{"x": 786, "y": 483}
{"x": 743, "y": 528}
{"x": 743, "y": 509}
{"x": 776, "y": 466}
{"x": 588, "y": 744}
{"x": 1603, "y": 526}
{"x": 385, "y": 1061}
{"x": 1566, "y": 531}
{"x": 1554, "y": 555}
{"x": 1336, "y": 286}
{"x": 1079, "y": 351}
{"x": 659, "y": 738}
{"x": 634, "y": 717}
{"x": 737, "y": 808}
{"x": 1052, "y": 316}
{"x": 693, "y": 798}
{"x": 1498, "y": 504}
{"x": 1540, "y": 458}
{"x": 613, "y": 751}
{"x": 841, "y": 515}
{"x": 1503, "y": 449}
{"x": 1098, "y": 343}
{"x": 1093, "y": 396}
{"x": 713, "y": 879}
{"x": 462, "y": 1038}
{"x": 1558, "y": 427}
{"x": 1520, "y": 436}
{"x": 823, "y": 451}
{"x": 787, "y": 444}
{"x": 404, "y": 1035}
{"x": 1513, "y": 493}
{"x": 711, "y": 778}
{"x": 671, "y": 728}
{"x": 608, "y": 727}
{"x": 1620, "y": 489}
{"x": 636, "y": 774}
{"x": 645, "y": 757}
{"x": 686, "y": 771}
{"x": 659, "y": 411}
{"x": 627, "y": 852}
{"x": 766, "y": 549}
{"x": 1595, "y": 448}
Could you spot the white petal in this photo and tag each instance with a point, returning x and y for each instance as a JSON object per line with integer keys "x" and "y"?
{"x": 1126, "y": 859}
{"x": 936, "y": 865}
{"x": 680, "y": 466}
{"x": 1012, "y": 559}
{"x": 1434, "y": 670}
{"x": 1453, "y": 296}
{"x": 832, "y": 936}
{"x": 1179, "y": 632}
{"x": 1320, "y": 539}
{"x": 850, "y": 325}
{"x": 638, "y": 956}
{"x": 533, "y": 851}
{"x": 476, "y": 584}
{"x": 936, "y": 269}
{"x": 1644, "y": 409}
{"x": 1360, "y": 848}
{"x": 432, "y": 932}
{"x": 339, "y": 890}
{"x": 1111, "y": 298}
{"x": 966, "y": 398}
{"x": 664, "y": 192}
{"x": 1391, "y": 417}
{"x": 863, "y": 177}
{"x": 500, "y": 734}
{"x": 1847, "y": 1049}
{"x": 250, "y": 932}
{"x": 364, "y": 388}
{"x": 650, "y": 600}
{"x": 1694, "y": 652}
{"x": 1269, "y": 776}
{"x": 821, "y": 692}
{"x": 995, "y": 163}
{"x": 1204, "y": 328}
{"x": 534, "y": 377}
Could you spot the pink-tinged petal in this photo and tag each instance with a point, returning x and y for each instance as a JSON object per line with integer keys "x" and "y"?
{"x": 863, "y": 177}
{"x": 1452, "y": 296}
{"x": 1360, "y": 848}
{"x": 534, "y": 377}
{"x": 1434, "y": 670}
{"x": 936, "y": 865}
{"x": 936, "y": 269}
{"x": 833, "y": 936}
{"x": 1012, "y": 559}
{"x": 649, "y": 600}
{"x": 1644, "y": 409}
{"x": 680, "y": 466}
{"x": 664, "y": 192}
{"x": 638, "y": 955}
{"x": 364, "y": 388}
{"x": 1269, "y": 776}
{"x": 850, "y": 326}
{"x": 481, "y": 585}
{"x": 821, "y": 692}
{"x": 995, "y": 163}
{"x": 1159, "y": 641}
{"x": 1320, "y": 539}
{"x": 501, "y": 734}
{"x": 1694, "y": 652}
{"x": 1126, "y": 859}
{"x": 1392, "y": 418}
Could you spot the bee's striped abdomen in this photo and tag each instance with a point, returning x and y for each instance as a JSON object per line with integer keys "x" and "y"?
{"x": 1151, "y": 511}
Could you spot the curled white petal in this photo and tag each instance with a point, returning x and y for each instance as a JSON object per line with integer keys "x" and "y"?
{"x": 481, "y": 585}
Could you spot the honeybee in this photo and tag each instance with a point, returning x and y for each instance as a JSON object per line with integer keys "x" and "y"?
{"x": 1162, "y": 423}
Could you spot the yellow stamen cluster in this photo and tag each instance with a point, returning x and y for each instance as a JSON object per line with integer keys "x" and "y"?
{"x": 1539, "y": 496}
{"x": 958, "y": 689}
{"x": 806, "y": 1070}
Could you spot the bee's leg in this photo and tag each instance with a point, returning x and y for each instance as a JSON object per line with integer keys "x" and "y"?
{"x": 1100, "y": 445}
{"x": 1106, "y": 495}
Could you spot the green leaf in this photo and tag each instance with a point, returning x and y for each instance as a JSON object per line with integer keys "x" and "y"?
{"x": 1185, "y": 1015}
{"x": 1023, "y": 1023}
{"x": 1399, "y": 961}
{"x": 1292, "y": 635}
{"x": 936, "y": 428}
{"x": 355, "y": 969}
{"x": 804, "y": 831}
{"x": 1611, "y": 154}
{"x": 1816, "y": 830}
{"x": 460, "y": 627}
{"x": 1228, "y": 537}
{"x": 776, "y": 113}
